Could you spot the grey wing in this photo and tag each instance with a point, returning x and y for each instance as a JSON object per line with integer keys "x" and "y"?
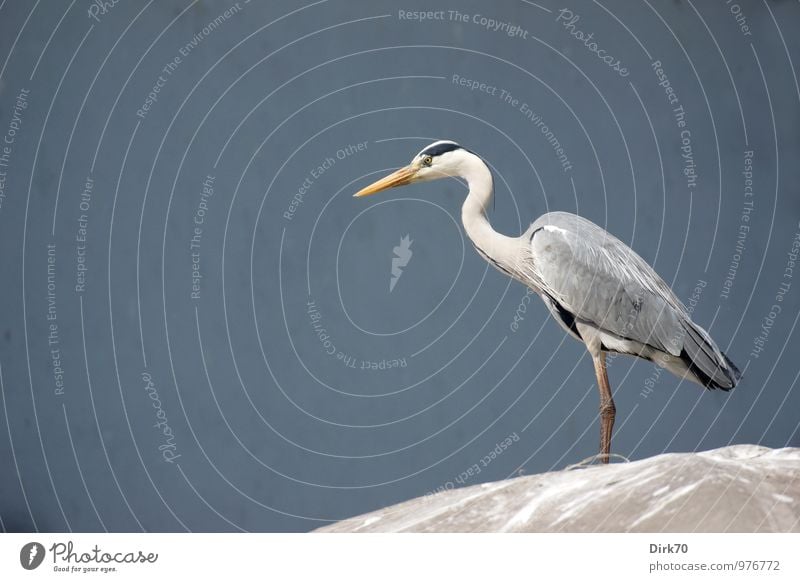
{"x": 599, "y": 281}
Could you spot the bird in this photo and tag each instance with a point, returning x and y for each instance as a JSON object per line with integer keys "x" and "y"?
{"x": 595, "y": 286}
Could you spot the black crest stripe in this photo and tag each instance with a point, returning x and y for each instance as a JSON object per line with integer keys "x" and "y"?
{"x": 438, "y": 149}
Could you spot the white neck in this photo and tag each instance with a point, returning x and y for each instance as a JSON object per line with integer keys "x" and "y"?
{"x": 500, "y": 248}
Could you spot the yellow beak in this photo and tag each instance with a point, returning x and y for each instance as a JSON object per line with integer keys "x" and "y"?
{"x": 401, "y": 177}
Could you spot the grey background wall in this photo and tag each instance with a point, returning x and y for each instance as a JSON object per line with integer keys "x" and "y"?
{"x": 198, "y": 328}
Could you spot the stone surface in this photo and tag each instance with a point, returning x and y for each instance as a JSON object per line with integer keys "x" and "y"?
{"x": 741, "y": 488}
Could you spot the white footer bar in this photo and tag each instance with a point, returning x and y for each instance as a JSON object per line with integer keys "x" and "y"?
{"x": 388, "y": 557}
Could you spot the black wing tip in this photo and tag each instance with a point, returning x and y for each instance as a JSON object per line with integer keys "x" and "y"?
{"x": 735, "y": 373}
{"x": 731, "y": 373}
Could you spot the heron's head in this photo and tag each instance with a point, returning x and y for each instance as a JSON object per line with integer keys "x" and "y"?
{"x": 441, "y": 159}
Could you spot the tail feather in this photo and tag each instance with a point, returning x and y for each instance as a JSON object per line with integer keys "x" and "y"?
{"x": 704, "y": 359}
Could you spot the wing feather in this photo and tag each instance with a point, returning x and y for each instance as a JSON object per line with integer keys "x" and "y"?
{"x": 601, "y": 281}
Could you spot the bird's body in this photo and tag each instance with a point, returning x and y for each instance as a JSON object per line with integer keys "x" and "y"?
{"x": 603, "y": 294}
{"x": 598, "y": 289}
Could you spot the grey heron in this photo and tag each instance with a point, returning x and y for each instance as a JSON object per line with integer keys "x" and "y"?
{"x": 597, "y": 288}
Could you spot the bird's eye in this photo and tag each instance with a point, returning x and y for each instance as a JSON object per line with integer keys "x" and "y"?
{"x": 427, "y": 161}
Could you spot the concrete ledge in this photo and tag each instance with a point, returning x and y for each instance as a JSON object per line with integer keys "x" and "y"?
{"x": 741, "y": 488}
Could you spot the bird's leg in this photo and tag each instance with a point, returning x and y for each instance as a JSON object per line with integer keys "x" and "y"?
{"x": 607, "y": 408}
